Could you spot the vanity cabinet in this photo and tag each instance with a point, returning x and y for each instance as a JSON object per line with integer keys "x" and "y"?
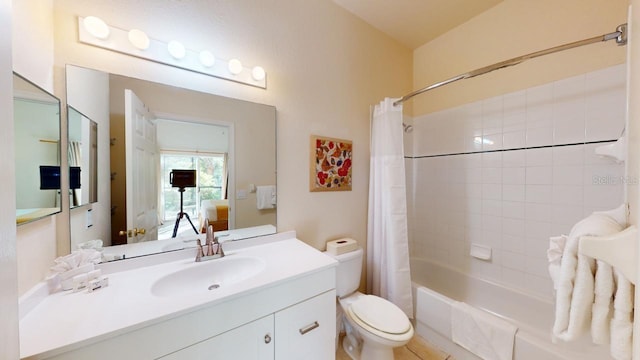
{"x": 307, "y": 330}
{"x": 287, "y": 310}
{"x": 291, "y": 318}
{"x": 302, "y": 331}
{"x": 250, "y": 341}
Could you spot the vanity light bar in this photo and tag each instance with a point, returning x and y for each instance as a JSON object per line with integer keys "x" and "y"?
{"x": 176, "y": 55}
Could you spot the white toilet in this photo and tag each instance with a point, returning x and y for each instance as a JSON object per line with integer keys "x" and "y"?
{"x": 374, "y": 325}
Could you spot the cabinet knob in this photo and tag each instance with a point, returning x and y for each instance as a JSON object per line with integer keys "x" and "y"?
{"x": 267, "y": 339}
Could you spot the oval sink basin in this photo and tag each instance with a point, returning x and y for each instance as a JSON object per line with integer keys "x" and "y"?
{"x": 201, "y": 278}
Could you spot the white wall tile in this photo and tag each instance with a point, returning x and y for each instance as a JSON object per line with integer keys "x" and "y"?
{"x": 513, "y": 192}
{"x": 513, "y": 243}
{"x": 513, "y": 209}
{"x": 492, "y": 175}
{"x": 513, "y": 278}
{"x": 538, "y": 194}
{"x": 513, "y": 261}
{"x": 514, "y": 200}
{"x": 493, "y": 159}
{"x": 492, "y": 191}
{"x": 515, "y": 158}
{"x": 568, "y": 155}
{"x": 514, "y": 139}
{"x": 514, "y": 175}
{"x": 539, "y": 157}
{"x": 538, "y": 175}
{"x": 539, "y": 136}
{"x": 568, "y": 175}
{"x": 540, "y": 106}
{"x": 492, "y": 207}
{"x": 567, "y": 195}
{"x": 492, "y": 116}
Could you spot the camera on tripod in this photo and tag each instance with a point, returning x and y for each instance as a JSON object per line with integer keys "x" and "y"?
{"x": 182, "y": 178}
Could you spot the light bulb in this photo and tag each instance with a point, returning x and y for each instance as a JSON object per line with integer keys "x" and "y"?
{"x": 258, "y": 73}
{"x": 139, "y": 39}
{"x": 96, "y": 27}
{"x": 207, "y": 59}
{"x": 235, "y": 66}
{"x": 176, "y": 49}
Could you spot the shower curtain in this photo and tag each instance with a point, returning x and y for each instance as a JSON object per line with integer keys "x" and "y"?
{"x": 388, "y": 272}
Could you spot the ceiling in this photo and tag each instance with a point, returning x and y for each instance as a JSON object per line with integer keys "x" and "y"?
{"x": 416, "y": 22}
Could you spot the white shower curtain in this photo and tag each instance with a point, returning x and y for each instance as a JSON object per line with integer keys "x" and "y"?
{"x": 388, "y": 272}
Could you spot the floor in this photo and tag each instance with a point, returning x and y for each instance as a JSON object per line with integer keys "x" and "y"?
{"x": 416, "y": 349}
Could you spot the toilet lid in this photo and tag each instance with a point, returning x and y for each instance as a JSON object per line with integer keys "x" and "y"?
{"x": 381, "y": 315}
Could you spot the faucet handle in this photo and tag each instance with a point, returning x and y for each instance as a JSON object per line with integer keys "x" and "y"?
{"x": 219, "y": 251}
{"x": 200, "y": 253}
{"x": 210, "y": 235}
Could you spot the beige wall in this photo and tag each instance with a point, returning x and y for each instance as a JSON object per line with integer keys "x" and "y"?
{"x": 32, "y": 53}
{"x": 325, "y": 68}
{"x": 90, "y": 96}
{"x": 8, "y": 267}
{"x": 510, "y": 29}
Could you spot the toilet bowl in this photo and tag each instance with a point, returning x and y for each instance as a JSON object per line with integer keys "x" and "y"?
{"x": 378, "y": 326}
{"x": 373, "y": 325}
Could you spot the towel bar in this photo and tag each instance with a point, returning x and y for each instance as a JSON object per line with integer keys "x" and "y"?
{"x": 618, "y": 250}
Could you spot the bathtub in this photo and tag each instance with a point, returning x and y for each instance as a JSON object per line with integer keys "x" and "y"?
{"x": 436, "y": 287}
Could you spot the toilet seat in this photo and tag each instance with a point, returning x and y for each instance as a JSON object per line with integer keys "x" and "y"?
{"x": 380, "y": 317}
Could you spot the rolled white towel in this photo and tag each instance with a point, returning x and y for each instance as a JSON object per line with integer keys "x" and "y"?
{"x": 602, "y": 303}
{"x": 554, "y": 255}
{"x": 622, "y": 322}
{"x": 575, "y": 286}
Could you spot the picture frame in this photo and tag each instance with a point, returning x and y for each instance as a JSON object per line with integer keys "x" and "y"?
{"x": 331, "y": 164}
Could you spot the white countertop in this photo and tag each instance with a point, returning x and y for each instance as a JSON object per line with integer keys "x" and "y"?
{"x": 68, "y": 320}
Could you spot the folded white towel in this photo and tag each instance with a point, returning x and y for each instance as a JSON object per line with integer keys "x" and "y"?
{"x": 554, "y": 255}
{"x": 622, "y": 322}
{"x": 602, "y": 304}
{"x": 76, "y": 259}
{"x": 266, "y": 197}
{"x": 575, "y": 286}
{"x": 483, "y": 334}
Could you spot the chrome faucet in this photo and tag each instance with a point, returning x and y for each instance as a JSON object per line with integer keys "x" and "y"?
{"x": 213, "y": 247}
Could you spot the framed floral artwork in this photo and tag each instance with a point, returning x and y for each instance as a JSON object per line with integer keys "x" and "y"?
{"x": 331, "y": 164}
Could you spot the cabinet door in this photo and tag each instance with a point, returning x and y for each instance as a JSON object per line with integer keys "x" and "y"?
{"x": 307, "y": 330}
{"x": 254, "y": 340}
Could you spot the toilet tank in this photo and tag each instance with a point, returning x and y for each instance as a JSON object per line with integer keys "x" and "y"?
{"x": 348, "y": 272}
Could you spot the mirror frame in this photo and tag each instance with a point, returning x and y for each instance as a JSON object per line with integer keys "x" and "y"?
{"x": 39, "y": 214}
{"x": 92, "y": 188}
{"x": 242, "y": 233}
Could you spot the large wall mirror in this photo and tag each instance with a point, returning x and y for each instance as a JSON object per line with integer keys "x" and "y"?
{"x": 157, "y": 134}
{"x": 37, "y": 151}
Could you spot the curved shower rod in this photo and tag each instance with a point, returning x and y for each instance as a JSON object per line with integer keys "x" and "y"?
{"x": 620, "y": 36}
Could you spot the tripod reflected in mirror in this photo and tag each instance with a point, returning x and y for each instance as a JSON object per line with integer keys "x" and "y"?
{"x": 182, "y": 179}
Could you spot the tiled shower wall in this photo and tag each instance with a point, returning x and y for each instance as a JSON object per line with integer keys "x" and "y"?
{"x": 511, "y": 171}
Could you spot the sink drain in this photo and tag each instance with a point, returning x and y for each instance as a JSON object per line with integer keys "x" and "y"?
{"x": 214, "y": 286}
